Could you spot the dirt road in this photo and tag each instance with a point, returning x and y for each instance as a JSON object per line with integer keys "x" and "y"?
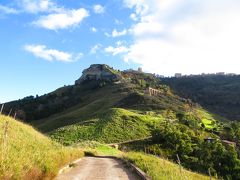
{"x": 94, "y": 168}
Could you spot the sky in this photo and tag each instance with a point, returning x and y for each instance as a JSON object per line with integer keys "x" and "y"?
{"x": 46, "y": 44}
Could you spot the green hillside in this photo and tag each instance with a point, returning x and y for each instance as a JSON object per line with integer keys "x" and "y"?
{"x": 27, "y": 154}
{"x": 114, "y": 125}
{"x": 97, "y": 96}
{"x": 219, "y": 94}
{"x": 119, "y": 125}
{"x": 111, "y": 106}
{"x": 170, "y": 140}
{"x": 93, "y": 102}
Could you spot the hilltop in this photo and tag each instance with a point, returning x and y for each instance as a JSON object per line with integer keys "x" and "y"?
{"x": 98, "y": 89}
{"x": 99, "y": 72}
{"x": 112, "y": 106}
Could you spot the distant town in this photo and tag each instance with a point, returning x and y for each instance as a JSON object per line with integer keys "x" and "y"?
{"x": 179, "y": 75}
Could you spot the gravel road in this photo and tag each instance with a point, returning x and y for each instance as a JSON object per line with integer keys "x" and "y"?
{"x": 94, "y": 168}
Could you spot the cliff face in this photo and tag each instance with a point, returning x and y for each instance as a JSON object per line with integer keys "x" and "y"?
{"x": 99, "y": 72}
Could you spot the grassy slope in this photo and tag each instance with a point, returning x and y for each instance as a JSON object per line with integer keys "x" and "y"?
{"x": 29, "y": 154}
{"x": 96, "y": 101}
{"x": 160, "y": 169}
{"x": 114, "y": 125}
{"x": 86, "y": 119}
{"x": 119, "y": 125}
{"x": 93, "y": 102}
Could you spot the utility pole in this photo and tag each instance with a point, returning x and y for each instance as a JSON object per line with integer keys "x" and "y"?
{"x": 10, "y": 112}
{"x": 209, "y": 172}
{"x": 15, "y": 115}
{"x": 2, "y": 108}
{"x": 179, "y": 163}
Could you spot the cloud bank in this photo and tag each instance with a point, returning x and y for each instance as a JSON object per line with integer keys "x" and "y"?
{"x": 185, "y": 36}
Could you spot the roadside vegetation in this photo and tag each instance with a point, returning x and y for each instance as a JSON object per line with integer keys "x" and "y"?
{"x": 161, "y": 169}
{"x": 197, "y": 149}
{"x": 155, "y": 167}
{"x": 27, "y": 154}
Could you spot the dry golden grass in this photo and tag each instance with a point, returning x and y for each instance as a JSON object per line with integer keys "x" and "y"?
{"x": 27, "y": 154}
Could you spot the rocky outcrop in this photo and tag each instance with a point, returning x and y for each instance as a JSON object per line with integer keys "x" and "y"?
{"x": 99, "y": 72}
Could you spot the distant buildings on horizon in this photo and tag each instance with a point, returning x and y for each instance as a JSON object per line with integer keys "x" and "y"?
{"x": 179, "y": 75}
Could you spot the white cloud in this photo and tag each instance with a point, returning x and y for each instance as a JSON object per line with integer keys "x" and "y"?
{"x": 7, "y": 10}
{"x": 36, "y": 6}
{"x": 185, "y": 36}
{"x": 95, "y": 48}
{"x": 56, "y": 17}
{"x": 98, "y": 9}
{"x": 41, "y": 51}
{"x": 145, "y": 28}
{"x": 116, "y": 50}
{"x": 119, "y": 43}
{"x": 63, "y": 20}
{"x": 93, "y": 29}
{"x": 141, "y": 6}
{"x": 134, "y": 17}
{"x": 116, "y": 33}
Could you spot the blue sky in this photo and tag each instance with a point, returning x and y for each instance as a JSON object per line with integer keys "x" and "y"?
{"x": 46, "y": 44}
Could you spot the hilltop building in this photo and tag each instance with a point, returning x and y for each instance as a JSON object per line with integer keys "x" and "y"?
{"x": 99, "y": 72}
{"x": 231, "y": 74}
{"x": 139, "y": 70}
{"x": 178, "y": 75}
{"x": 220, "y": 73}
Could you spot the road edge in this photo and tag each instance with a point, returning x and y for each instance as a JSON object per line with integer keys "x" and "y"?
{"x": 133, "y": 167}
{"x": 68, "y": 166}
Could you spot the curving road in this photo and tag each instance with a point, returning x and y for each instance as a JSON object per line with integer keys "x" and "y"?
{"x": 96, "y": 168}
